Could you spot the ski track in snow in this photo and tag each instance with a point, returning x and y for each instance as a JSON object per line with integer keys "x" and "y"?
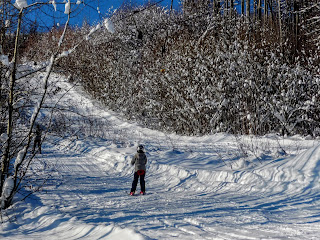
{"x": 197, "y": 187}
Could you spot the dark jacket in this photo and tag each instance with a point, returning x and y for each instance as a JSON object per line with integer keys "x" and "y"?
{"x": 140, "y": 161}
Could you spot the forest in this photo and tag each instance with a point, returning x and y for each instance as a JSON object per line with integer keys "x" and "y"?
{"x": 211, "y": 67}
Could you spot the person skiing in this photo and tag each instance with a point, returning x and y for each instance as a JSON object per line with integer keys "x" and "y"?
{"x": 139, "y": 161}
{"x": 37, "y": 139}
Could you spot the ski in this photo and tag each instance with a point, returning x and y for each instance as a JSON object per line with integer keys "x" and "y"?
{"x": 136, "y": 194}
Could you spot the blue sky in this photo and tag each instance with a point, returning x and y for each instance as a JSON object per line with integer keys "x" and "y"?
{"x": 92, "y": 11}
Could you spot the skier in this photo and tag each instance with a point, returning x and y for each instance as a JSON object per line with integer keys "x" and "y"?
{"x": 37, "y": 139}
{"x": 140, "y": 161}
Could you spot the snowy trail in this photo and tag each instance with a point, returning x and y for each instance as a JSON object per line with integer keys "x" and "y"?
{"x": 197, "y": 187}
{"x": 193, "y": 205}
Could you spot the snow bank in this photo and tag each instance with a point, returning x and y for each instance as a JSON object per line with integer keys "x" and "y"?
{"x": 46, "y": 221}
{"x": 194, "y": 171}
{"x": 293, "y": 174}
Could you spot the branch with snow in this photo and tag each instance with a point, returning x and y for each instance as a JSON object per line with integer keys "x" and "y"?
{"x": 20, "y": 157}
{"x": 93, "y": 30}
{"x": 108, "y": 24}
{"x": 7, "y": 190}
{"x": 20, "y": 4}
{"x": 53, "y": 2}
{"x": 67, "y": 7}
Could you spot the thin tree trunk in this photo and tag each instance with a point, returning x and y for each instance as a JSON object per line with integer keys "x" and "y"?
{"x": 2, "y": 38}
{"x": 6, "y": 156}
{"x": 17, "y": 179}
{"x": 280, "y": 23}
{"x": 226, "y": 8}
{"x": 242, "y": 7}
{"x": 255, "y": 9}
{"x": 248, "y": 8}
{"x": 265, "y": 11}
{"x": 171, "y": 6}
{"x": 216, "y": 6}
{"x": 259, "y": 10}
{"x": 296, "y": 21}
{"x": 3, "y": 29}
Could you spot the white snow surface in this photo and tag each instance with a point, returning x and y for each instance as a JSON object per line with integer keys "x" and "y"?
{"x": 211, "y": 187}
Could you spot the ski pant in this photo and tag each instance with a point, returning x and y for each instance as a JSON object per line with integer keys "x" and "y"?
{"x": 135, "y": 182}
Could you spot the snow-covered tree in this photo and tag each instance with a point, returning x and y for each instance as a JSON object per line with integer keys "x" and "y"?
{"x": 19, "y": 108}
{"x": 199, "y": 73}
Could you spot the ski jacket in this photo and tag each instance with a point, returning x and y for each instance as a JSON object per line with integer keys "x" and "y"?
{"x": 140, "y": 161}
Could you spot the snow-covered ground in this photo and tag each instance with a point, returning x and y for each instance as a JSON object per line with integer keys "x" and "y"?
{"x": 211, "y": 187}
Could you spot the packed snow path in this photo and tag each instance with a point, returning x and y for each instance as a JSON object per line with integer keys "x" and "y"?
{"x": 197, "y": 187}
{"x": 203, "y": 203}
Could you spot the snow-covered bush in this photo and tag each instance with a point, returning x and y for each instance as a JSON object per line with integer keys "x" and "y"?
{"x": 197, "y": 73}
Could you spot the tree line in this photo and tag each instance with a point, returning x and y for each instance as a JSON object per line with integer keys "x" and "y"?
{"x": 209, "y": 68}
